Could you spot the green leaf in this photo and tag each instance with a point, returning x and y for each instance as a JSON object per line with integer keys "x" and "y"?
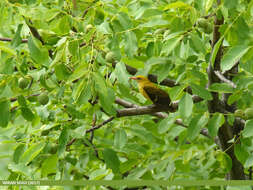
{"x": 22, "y": 101}
{"x": 221, "y": 87}
{"x": 4, "y": 112}
{"x": 177, "y": 4}
{"x": 142, "y": 133}
{"x": 75, "y": 114}
{"x": 249, "y": 161}
{"x": 133, "y": 62}
{"x": 176, "y": 92}
{"x": 73, "y": 48}
{"x": 37, "y": 52}
{"x": 131, "y": 45}
{"x": 100, "y": 84}
{"x": 215, "y": 123}
{"x": 125, "y": 21}
{"x": 44, "y": 82}
{"x": 84, "y": 96}
{"x": 126, "y": 166}
{"x": 49, "y": 165}
{"x": 234, "y": 97}
{"x": 225, "y": 161}
{"x": 155, "y": 22}
{"x": 62, "y": 72}
{"x": 215, "y": 50}
{"x": 18, "y": 152}
{"x": 27, "y": 113}
{"x": 162, "y": 71}
{"x": 185, "y": 106}
{"x": 20, "y": 168}
{"x": 111, "y": 160}
{"x": 120, "y": 138}
{"x": 63, "y": 140}
{"x": 201, "y": 91}
{"x": 241, "y": 152}
{"x": 209, "y": 4}
{"x": 230, "y": 4}
{"x": 79, "y": 72}
{"x": 17, "y": 39}
{"x": 232, "y": 56}
{"x": 196, "y": 124}
{"x": 99, "y": 17}
{"x": 63, "y": 26}
{"x": 248, "y": 129}
{"x": 170, "y": 45}
{"x": 134, "y": 147}
{"x": 166, "y": 123}
{"x": 122, "y": 74}
{"x": 31, "y": 153}
{"x": 151, "y": 12}
{"x": 7, "y": 50}
{"x": 137, "y": 173}
{"x": 107, "y": 101}
{"x": 198, "y": 44}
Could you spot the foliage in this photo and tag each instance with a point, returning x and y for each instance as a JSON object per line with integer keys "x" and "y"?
{"x": 78, "y": 54}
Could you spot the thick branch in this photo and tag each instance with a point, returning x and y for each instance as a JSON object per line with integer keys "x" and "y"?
{"x": 225, "y": 132}
{"x": 133, "y": 109}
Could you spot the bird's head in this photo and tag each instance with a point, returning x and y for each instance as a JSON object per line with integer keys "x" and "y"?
{"x": 140, "y": 79}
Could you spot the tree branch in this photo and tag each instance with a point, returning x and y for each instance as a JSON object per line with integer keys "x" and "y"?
{"x": 225, "y": 132}
{"x": 100, "y": 125}
{"x": 224, "y": 79}
{"x": 9, "y": 40}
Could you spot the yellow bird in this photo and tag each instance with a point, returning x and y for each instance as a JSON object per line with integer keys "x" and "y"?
{"x": 151, "y": 91}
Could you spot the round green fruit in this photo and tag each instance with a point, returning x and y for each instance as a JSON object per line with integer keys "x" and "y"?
{"x": 110, "y": 57}
{"x": 205, "y": 25}
{"x": 202, "y": 23}
{"x": 43, "y": 98}
{"x": 239, "y": 113}
{"x": 208, "y": 29}
{"x": 89, "y": 27}
{"x": 249, "y": 113}
{"x": 23, "y": 83}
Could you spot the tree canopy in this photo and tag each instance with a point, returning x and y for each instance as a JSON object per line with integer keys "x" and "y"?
{"x": 69, "y": 111}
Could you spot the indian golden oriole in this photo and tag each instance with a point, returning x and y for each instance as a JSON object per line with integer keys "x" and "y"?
{"x": 151, "y": 91}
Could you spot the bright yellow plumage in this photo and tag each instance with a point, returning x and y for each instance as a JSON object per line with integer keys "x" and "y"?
{"x": 151, "y": 91}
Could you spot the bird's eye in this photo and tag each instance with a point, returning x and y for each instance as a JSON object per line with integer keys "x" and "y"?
{"x": 138, "y": 78}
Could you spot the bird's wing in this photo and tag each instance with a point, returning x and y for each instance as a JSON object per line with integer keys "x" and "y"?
{"x": 156, "y": 95}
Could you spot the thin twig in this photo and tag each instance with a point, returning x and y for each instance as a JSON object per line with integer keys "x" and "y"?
{"x": 224, "y": 79}
{"x": 15, "y": 99}
{"x": 100, "y": 125}
{"x": 9, "y": 40}
{"x": 250, "y": 173}
{"x": 71, "y": 142}
{"x": 94, "y": 119}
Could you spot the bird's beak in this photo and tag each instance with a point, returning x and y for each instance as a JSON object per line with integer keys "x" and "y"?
{"x": 134, "y": 78}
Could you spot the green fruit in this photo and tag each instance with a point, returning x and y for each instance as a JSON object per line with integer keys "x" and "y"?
{"x": 208, "y": 29}
{"x": 249, "y": 113}
{"x": 23, "y": 83}
{"x": 239, "y": 113}
{"x": 202, "y": 23}
{"x": 110, "y": 57}
{"x": 89, "y": 27}
{"x": 43, "y": 98}
{"x": 205, "y": 25}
